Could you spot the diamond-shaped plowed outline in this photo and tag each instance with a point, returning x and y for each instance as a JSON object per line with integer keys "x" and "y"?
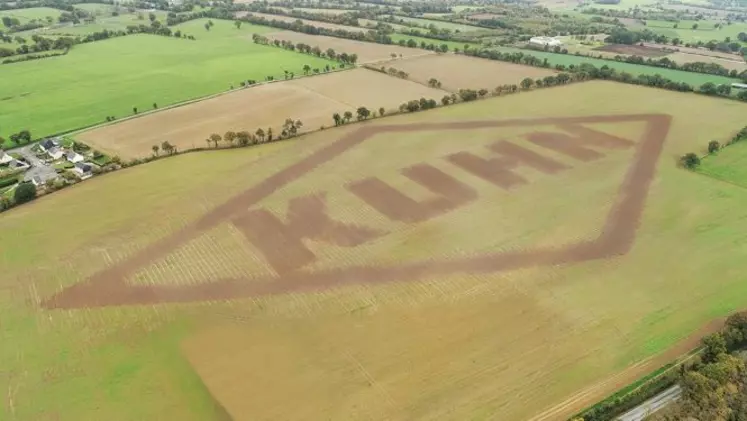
{"x": 109, "y": 288}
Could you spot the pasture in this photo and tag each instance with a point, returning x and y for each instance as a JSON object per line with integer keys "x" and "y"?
{"x": 456, "y": 27}
{"x": 34, "y": 13}
{"x": 367, "y": 52}
{"x": 457, "y": 72}
{"x": 315, "y": 23}
{"x": 313, "y": 100}
{"x": 109, "y": 78}
{"x": 462, "y": 337}
{"x": 694, "y": 79}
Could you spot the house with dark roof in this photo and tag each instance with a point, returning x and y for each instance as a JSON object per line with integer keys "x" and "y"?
{"x": 83, "y": 169}
{"x": 48, "y": 144}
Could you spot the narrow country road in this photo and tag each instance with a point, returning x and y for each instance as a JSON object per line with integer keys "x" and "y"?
{"x": 652, "y": 405}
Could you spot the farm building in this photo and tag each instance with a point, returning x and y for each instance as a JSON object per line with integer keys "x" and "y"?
{"x": 739, "y": 85}
{"x": 545, "y": 41}
{"x": 5, "y": 158}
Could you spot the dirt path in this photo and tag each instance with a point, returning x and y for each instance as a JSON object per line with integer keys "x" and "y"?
{"x": 108, "y": 287}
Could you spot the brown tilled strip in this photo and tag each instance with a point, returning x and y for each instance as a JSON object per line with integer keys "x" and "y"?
{"x": 109, "y": 288}
{"x": 398, "y": 207}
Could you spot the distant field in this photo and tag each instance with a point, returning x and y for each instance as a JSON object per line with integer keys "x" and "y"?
{"x": 367, "y": 52}
{"x": 706, "y": 30}
{"x": 315, "y": 23}
{"x": 461, "y": 72}
{"x": 439, "y": 24}
{"x": 313, "y": 100}
{"x": 451, "y": 44}
{"x": 25, "y": 15}
{"x": 455, "y": 335}
{"x": 109, "y": 78}
{"x": 105, "y": 21}
{"x": 695, "y": 79}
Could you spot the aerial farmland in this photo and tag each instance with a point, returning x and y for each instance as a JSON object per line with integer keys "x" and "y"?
{"x": 371, "y": 211}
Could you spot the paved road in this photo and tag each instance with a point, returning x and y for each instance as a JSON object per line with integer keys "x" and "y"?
{"x": 38, "y": 168}
{"x": 652, "y": 405}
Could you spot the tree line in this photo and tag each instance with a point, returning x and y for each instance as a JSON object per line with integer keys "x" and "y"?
{"x": 714, "y": 386}
{"x": 692, "y": 160}
{"x": 589, "y": 71}
{"x": 329, "y": 53}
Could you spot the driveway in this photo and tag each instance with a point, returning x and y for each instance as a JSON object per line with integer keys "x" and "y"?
{"x": 38, "y": 168}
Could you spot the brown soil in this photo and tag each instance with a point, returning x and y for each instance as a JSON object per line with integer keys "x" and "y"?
{"x": 109, "y": 287}
{"x": 632, "y": 50}
{"x": 461, "y": 72}
{"x": 313, "y": 100}
{"x": 367, "y": 52}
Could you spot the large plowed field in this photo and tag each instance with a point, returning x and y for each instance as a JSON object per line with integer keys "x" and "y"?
{"x": 515, "y": 258}
{"x": 313, "y": 100}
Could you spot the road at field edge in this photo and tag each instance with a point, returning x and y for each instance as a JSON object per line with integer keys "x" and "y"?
{"x": 652, "y": 405}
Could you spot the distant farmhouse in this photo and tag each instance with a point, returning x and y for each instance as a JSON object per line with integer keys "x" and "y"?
{"x": 739, "y": 85}
{"x": 545, "y": 41}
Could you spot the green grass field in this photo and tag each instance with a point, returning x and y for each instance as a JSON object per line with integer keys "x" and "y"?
{"x": 111, "y": 77}
{"x": 706, "y": 30}
{"x": 25, "y": 15}
{"x": 341, "y": 354}
{"x": 439, "y": 24}
{"x": 727, "y": 164}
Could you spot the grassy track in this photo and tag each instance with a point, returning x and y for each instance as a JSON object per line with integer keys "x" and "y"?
{"x": 111, "y": 77}
{"x": 471, "y": 346}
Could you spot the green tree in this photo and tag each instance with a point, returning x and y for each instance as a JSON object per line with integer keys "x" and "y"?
{"x": 690, "y": 160}
{"x": 237, "y": 23}
{"x": 363, "y": 113}
{"x": 155, "y": 149}
{"x": 260, "y": 134}
{"x": 215, "y": 137}
{"x": 714, "y": 346}
{"x": 306, "y": 69}
{"x": 134, "y": 110}
{"x": 207, "y": 27}
{"x": 229, "y": 137}
{"x": 527, "y": 83}
{"x": 25, "y": 192}
{"x": 337, "y": 118}
{"x": 347, "y": 116}
{"x": 269, "y": 134}
{"x": 713, "y": 146}
{"x": 695, "y": 26}
{"x": 382, "y": 111}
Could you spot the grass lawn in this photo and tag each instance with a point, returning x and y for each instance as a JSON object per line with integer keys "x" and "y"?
{"x": 727, "y": 164}
{"x": 25, "y": 15}
{"x": 109, "y": 78}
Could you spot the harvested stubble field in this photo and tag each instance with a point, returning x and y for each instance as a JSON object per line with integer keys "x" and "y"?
{"x": 349, "y": 331}
{"x": 367, "y": 52}
{"x": 313, "y": 100}
{"x": 462, "y": 72}
{"x": 315, "y": 23}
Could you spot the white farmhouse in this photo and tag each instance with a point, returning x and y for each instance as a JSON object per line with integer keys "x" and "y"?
{"x": 545, "y": 41}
